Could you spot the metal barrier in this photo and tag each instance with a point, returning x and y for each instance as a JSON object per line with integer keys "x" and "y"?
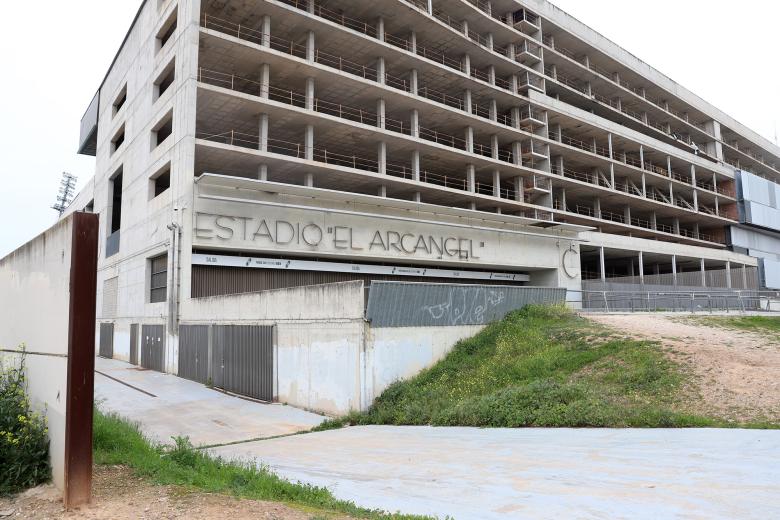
{"x": 675, "y": 301}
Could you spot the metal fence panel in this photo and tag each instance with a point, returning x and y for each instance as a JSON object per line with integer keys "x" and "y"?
{"x": 242, "y": 359}
{"x": 106, "y": 346}
{"x": 153, "y": 347}
{"x": 134, "y": 343}
{"x": 399, "y": 304}
{"x": 194, "y": 352}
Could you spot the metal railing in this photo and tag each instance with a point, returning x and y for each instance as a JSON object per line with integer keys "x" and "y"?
{"x": 692, "y": 301}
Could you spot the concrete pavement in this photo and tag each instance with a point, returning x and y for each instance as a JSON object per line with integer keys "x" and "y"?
{"x": 178, "y": 407}
{"x": 536, "y": 473}
{"x": 469, "y": 472}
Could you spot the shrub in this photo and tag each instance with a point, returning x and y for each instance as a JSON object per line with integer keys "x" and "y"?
{"x": 24, "y": 443}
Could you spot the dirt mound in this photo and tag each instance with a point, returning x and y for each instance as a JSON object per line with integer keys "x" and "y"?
{"x": 737, "y": 373}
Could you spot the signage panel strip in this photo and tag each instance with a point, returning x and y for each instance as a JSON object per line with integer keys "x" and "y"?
{"x": 341, "y": 267}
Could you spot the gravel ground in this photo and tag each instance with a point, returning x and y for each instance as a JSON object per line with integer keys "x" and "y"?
{"x": 738, "y": 372}
{"x": 118, "y": 494}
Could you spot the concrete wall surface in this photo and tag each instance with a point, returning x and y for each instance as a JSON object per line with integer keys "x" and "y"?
{"x": 34, "y": 309}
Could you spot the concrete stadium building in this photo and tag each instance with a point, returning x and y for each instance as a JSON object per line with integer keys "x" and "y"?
{"x": 357, "y": 185}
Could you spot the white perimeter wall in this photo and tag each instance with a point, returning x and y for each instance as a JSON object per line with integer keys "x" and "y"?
{"x": 34, "y": 309}
{"x": 328, "y": 359}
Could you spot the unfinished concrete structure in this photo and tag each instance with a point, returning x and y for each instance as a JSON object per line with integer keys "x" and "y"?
{"x": 253, "y": 146}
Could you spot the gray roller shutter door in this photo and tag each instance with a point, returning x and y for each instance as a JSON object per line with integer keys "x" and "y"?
{"x": 134, "y": 343}
{"x": 153, "y": 347}
{"x": 106, "y": 349}
{"x": 243, "y": 360}
{"x": 194, "y": 352}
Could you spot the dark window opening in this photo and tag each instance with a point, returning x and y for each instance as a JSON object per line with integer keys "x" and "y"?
{"x": 161, "y": 181}
{"x": 165, "y": 80}
{"x": 118, "y": 139}
{"x": 120, "y": 100}
{"x": 162, "y": 130}
{"x": 166, "y": 32}
{"x": 116, "y": 202}
{"x": 158, "y": 283}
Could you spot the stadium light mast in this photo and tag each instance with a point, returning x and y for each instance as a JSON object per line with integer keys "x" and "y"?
{"x": 66, "y": 192}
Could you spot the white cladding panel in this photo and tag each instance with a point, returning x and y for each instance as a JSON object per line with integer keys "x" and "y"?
{"x": 326, "y": 233}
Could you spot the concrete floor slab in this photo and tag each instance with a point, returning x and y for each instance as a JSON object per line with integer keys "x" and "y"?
{"x": 178, "y": 407}
{"x": 536, "y": 473}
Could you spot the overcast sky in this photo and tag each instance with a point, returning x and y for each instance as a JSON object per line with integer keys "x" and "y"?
{"x": 50, "y": 69}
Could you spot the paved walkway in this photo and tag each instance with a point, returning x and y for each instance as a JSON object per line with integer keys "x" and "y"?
{"x": 468, "y": 472}
{"x": 537, "y": 473}
{"x": 168, "y": 406}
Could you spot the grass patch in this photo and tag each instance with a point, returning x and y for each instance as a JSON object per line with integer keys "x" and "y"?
{"x": 541, "y": 366}
{"x": 760, "y": 324}
{"x": 118, "y": 442}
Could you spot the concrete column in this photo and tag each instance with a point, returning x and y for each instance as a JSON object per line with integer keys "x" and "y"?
{"x": 465, "y": 27}
{"x": 514, "y": 116}
{"x": 669, "y": 165}
{"x": 310, "y": 7}
{"x": 416, "y": 165}
{"x": 380, "y": 113}
{"x": 703, "y": 273}
{"x": 744, "y": 276}
{"x": 415, "y": 123}
{"x": 517, "y": 150}
{"x": 262, "y": 143}
{"x": 309, "y": 94}
{"x": 602, "y": 265}
{"x": 265, "y": 80}
{"x": 430, "y": 6}
{"x": 489, "y": 38}
{"x": 466, "y": 64}
{"x": 309, "y": 143}
{"x": 696, "y": 200}
{"x": 496, "y": 183}
{"x": 676, "y": 225}
{"x": 413, "y": 42}
{"x": 380, "y": 28}
{"x": 494, "y": 146}
{"x": 382, "y": 157}
{"x": 266, "y": 31}
{"x": 492, "y": 75}
{"x": 564, "y": 204}
{"x": 308, "y": 180}
{"x": 381, "y": 75}
{"x": 467, "y": 100}
{"x": 641, "y": 268}
{"x": 642, "y": 156}
{"x": 262, "y": 172}
{"x": 469, "y": 139}
{"x": 696, "y": 230}
{"x": 310, "y": 49}
{"x": 493, "y": 110}
{"x": 654, "y": 221}
{"x": 413, "y": 82}
{"x": 728, "y": 274}
{"x": 471, "y": 178}
{"x": 627, "y": 214}
{"x": 597, "y": 207}
{"x": 382, "y": 190}
{"x": 518, "y": 183}
{"x": 609, "y": 143}
{"x": 418, "y": 197}
{"x": 644, "y": 185}
{"x": 612, "y": 175}
{"x": 674, "y": 270}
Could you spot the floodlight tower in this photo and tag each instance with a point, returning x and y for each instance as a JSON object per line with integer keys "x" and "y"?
{"x": 66, "y": 192}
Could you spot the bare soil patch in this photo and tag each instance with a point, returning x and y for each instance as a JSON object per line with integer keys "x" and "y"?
{"x": 737, "y": 373}
{"x": 119, "y": 494}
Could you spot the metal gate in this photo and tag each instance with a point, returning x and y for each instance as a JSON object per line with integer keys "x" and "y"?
{"x": 194, "y": 352}
{"x": 106, "y": 348}
{"x": 153, "y": 347}
{"x": 134, "y": 343}
{"x": 243, "y": 359}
